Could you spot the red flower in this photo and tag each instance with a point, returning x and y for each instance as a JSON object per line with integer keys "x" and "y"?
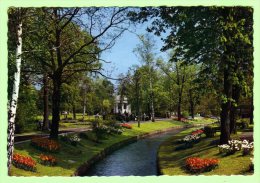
{"x": 125, "y": 125}
{"x": 24, "y": 162}
{"x": 48, "y": 160}
{"x": 198, "y": 165}
{"x": 46, "y": 144}
{"x": 197, "y": 132}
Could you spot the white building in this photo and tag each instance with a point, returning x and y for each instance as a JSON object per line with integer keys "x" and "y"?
{"x": 123, "y": 107}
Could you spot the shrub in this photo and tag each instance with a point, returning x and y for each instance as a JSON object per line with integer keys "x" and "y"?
{"x": 209, "y": 131}
{"x": 46, "y": 144}
{"x": 185, "y": 114}
{"x": 64, "y": 137}
{"x": 184, "y": 146}
{"x": 48, "y": 160}
{"x": 24, "y": 162}
{"x": 198, "y": 165}
{"x": 92, "y": 137}
{"x": 83, "y": 135}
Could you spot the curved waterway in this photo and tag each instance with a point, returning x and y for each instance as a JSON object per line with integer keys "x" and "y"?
{"x": 137, "y": 159}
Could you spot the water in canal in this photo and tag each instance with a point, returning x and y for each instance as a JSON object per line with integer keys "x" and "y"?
{"x": 137, "y": 159}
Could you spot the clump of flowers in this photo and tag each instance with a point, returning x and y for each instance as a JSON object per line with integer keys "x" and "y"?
{"x": 24, "y": 162}
{"x": 125, "y": 125}
{"x": 74, "y": 140}
{"x": 225, "y": 148}
{"x": 236, "y": 145}
{"x": 197, "y": 132}
{"x": 247, "y": 148}
{"x": 199, "y": 165}
{"x": 48, "y": 160}
{"x": 191, "y": 138}
{"x": 46, "y": 144}
{"x": 116, "y": 130}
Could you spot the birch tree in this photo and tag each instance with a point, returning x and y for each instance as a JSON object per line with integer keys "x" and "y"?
{"x": 15, "y": 23}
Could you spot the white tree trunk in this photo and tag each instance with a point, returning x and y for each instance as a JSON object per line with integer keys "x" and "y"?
{"x": 151, "y": 93}
{"x": 14, "y": 98}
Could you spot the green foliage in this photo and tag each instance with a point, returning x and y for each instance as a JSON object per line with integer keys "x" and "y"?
{"x": 27, "y": 110}
{"x": 209, "y": 131}
{"x": 185, "y": 114}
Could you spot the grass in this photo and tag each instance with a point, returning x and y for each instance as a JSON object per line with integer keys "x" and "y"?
{"x": 172, "y": 162}
{"x": 70, "y": 157}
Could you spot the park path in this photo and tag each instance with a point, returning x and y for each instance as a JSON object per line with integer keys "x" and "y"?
{"x": 22, "y": 138}
{"x": 26, "y": 137}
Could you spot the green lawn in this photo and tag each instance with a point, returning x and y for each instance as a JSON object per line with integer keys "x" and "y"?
{"x": 172, "y": 161}
{"x": 70, "y": 157}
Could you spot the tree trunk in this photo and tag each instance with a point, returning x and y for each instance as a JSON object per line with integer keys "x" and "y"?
{"x": 45, "y": 103}
{"x": 152, "y": 104}
{"x": 14, "y": 99}
{"x": 74, "y": 112}
{"x": 225, "y": 110}
{"x": 84, "y": 104}
{"x": 179, "y": 107}
{"x": 233, "y": 111}
{"x": 252, "y": 110}
{"x": 55, "y": 107}
{"x": 191, "y": 104}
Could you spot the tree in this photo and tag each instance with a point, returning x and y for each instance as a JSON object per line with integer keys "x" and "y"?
{"x": 179, "y": 74}
{"x": 74, "y": 45}
{"x": 145, "y": 52}
{"x": 16, "y": 25}
{"x": 132, "y": 88}
{"x": 218, "y": 37}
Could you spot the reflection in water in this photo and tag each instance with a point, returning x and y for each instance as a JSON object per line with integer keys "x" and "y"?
{"x": 137, "y": 159}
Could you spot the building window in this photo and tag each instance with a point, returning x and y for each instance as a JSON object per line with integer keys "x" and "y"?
{"x": 125, "y": 106}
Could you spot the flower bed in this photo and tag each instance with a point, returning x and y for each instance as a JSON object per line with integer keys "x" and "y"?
{"x": 247, "y": 147}
{"x": 197, "y": 132}
{"x": 182, "y": 119}
{"x": 237, "y": 145}
{"x": 198, "y": 165}
{"x": 48, "y": 160}
{"x": 46, "y": 144}
{"x": 125, "y": 125}
{"x": 24, "y": 162}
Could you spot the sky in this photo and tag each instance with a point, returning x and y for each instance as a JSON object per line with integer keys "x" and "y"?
{"x": 122, "y": 56}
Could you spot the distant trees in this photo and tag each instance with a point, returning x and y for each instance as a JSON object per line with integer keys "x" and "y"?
{"x": 219, "y": 38}
{"x": 145, "y": 52}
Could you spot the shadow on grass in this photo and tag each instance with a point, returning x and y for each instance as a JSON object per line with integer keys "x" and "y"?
{"x": 168, "y": 154}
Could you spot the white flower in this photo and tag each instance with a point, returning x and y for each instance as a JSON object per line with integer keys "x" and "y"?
{"x": 75, "y": 138}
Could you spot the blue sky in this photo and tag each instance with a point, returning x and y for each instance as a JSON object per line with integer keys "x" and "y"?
{"x": 122, "y": 56}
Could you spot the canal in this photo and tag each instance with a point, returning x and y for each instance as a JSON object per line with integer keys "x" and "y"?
{"x": 138, "y": 159}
